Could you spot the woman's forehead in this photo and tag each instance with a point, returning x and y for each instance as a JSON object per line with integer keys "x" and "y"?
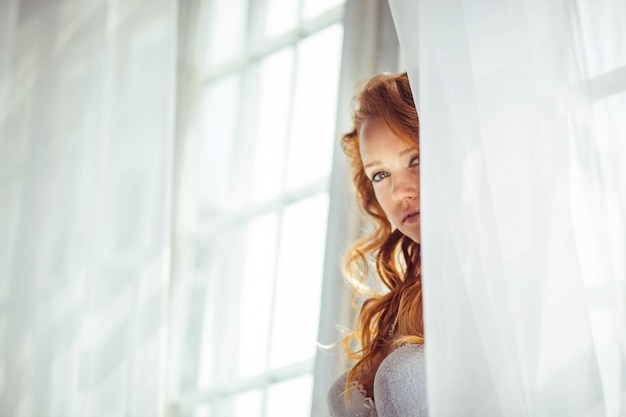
{"x": 375, "y": 133}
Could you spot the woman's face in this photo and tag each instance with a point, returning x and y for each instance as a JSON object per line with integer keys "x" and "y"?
{"x": 393, "y": 167}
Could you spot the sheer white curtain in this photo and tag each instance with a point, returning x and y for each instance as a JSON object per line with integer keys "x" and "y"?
{"x": 86, "y": 107}
{"x": 522, "y": 106}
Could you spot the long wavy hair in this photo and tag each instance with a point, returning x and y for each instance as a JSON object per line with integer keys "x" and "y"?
{"x": 386, "y": 320}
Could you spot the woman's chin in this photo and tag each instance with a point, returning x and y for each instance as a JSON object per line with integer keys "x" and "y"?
{"x": 412, "y": 232}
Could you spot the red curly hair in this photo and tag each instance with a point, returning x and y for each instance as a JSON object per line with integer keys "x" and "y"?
{"x": 395, "y": 317}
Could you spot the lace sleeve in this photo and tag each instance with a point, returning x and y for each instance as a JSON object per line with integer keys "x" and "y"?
{"x": 400, "y": 383}
{"x": 359, "y": 406}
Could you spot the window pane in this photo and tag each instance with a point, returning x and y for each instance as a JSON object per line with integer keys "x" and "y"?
{"x": 215, "y": 144}
{"x": 202, "y": 410}
{"x": 256, "y": 294}
{"x": 219, "y": 330}
{"x": 226, "y": 26}
{"x": 202, "y": 326}
{"x": 606, "y": 325}
{"x": 299, "y": 278}
{"x": 291, "y": 398}
{"x": 281, "y": 16}
{"x": 273, "y": 122}
{"x": 595, "y": 181}
{"x": 248, "y": 404}
{"x": 602, "y": 35}
{"x": 313, "y": 132}
{"x": 198, "y": 350}
{"x": 314, "y": 8}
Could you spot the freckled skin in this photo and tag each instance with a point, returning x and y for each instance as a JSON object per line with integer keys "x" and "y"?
{"x": 393, "y": 165}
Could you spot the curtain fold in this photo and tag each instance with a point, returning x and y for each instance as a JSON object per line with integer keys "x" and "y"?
{"x": 86, "y": 135}
{"x": 523, "y": 201}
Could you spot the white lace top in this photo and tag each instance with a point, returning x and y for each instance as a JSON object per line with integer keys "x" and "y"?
{"x": 399, "y": 388}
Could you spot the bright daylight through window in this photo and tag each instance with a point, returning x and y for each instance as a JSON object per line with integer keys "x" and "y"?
{"x": 256, "y": 160}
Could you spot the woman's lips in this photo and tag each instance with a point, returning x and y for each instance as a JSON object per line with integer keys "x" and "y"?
{"x": 412, "y": 217}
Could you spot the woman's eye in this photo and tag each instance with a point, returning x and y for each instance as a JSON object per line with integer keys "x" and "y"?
{"x": 415, "y": 161}
{"x": 379, "y": 176}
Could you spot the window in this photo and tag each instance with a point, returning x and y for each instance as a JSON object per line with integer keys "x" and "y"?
{"x": 257, "y": 128}
{"x": 603, "y": 63}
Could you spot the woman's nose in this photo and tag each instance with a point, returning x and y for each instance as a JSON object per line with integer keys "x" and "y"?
{"x": 405, "y": 186}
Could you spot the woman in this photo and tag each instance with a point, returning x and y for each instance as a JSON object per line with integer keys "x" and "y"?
{"x": 388, "y": 378}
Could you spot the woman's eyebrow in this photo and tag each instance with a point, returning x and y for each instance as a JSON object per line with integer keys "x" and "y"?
{"x": 408, "y": 150}
{"x": 402, "y": 153}
{"x": 372, "y": 164}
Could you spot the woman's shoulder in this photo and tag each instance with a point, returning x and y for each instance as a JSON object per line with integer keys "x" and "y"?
{"x": 359, "y": 405}
{"x": 400, "y": 382}
{"x": 409, "y": 354}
